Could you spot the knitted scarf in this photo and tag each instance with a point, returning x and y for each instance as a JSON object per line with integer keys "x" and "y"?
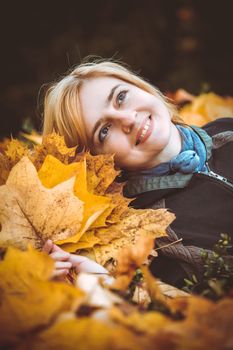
{"x": 192, "y": 157}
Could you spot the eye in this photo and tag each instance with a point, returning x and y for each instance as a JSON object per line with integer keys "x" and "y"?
{"x": 121, "y": 97}
{"x": 103, "y": 132}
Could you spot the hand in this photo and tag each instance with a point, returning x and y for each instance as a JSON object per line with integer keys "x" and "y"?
{"x": 60, "y": 257}
{"x": 64, "y": 261}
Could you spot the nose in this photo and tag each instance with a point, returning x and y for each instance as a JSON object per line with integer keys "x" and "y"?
{"x": 126, "y": 120}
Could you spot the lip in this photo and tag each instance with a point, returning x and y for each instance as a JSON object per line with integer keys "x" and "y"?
{"x": 147, "y": 134}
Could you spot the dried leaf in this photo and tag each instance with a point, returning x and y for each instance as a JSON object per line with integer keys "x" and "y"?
{"x": 54, "y": 145}
{"x": 205, "y": 108}
{"x": 12, "y": 152}
{"x": 159, "y": 291}
{"x": 53, "y": 171}
{"x": 30, "y": 213}
{"x": 206, "y": 324}
{"x": 129, "y": 259}
{"x": 88, "y": 240}
{"x": 4, "y": 144}
{"x": 94, "y": 205}
{"x": 16, "y": 150}
{"x": 148, "y": 323}
{"x": 138, "y": 223}
{"x": 29, "y": 302}
{"x": 107, "y": 234}
{"x": 5, "y": 168}
{"x": 119, "y": 208}
{"x": 100, "y": 173}
{"x": 83, "y": 334}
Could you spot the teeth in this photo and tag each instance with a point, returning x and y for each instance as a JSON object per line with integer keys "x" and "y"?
{"x": 146, "y": 127}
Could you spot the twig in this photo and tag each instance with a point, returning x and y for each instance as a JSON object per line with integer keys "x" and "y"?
{"x": 168, "y": 245}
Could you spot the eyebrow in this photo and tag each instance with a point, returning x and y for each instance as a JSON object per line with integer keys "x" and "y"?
{"x": 102, "y": 120}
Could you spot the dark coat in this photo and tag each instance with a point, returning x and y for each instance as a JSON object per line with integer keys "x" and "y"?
{"x": 202, "y": 203}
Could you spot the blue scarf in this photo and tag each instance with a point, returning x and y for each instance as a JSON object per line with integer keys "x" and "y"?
{"x": 192, "y": 157}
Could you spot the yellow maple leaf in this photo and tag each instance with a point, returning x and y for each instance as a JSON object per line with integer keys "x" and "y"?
{"x": 53, "y": 171}
{"x": 84, "y": 334}
{"x": 96, "y": 169}
{"x": 88, "y": 240}
{"x": 29, "y": 301}
{"x": 120, "y": 207}
{"x": 141, "y": 222}
{"x": 4, "y": 144}
{"x": 16, "y": 150}
{"x": 96, "y": 208}
{"x": 205, "y": 108}
{"x": 205, "y": 324}
{"x": 100, "y": 172}
{"x": 13, "y": 151}
{"x": 149, "y": 323}
{"x": 53, "y": 144}
{"x": 94, "y": 205}
{"x": 31, "y": 213}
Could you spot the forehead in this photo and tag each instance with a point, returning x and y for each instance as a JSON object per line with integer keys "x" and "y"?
{"x": 93, "y": 90}
{"x": 93, "y": 96}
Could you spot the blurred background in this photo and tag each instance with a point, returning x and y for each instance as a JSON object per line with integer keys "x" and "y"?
{"x": 173, "y": 43}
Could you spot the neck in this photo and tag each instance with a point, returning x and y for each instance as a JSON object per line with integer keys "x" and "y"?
{"x": 173, "y": 147}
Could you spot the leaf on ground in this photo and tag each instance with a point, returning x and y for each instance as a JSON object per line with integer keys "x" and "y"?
{"x": 31, "y": 213}
{"x": 205, "y": 108}
{"x": 84, "y": 334}
{"x": 54, "y": 145}
{"x": 16, "y": 150}
{"x": 206, "y": 324}
{"x": 30, "y": 264}
{"x": 5, "y": 168}
{"x": 147, "y": 222}
{"x": 159, "y": 291}
{"x": 29, "y": 301}
{"x": 129, "y": 259}
{"x": 13, "y": 151}
{"x": 4, "y": 144}
{"x": 147, "y": 323}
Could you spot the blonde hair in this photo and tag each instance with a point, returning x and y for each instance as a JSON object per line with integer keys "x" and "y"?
{"x": 62, "y": 110}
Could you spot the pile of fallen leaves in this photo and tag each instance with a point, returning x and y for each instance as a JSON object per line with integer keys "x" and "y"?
{"x": 38, "y": 313}
{"x": 202, "y": 109}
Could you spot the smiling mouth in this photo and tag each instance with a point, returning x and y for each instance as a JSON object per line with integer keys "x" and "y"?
{"x": 144, "y": 131}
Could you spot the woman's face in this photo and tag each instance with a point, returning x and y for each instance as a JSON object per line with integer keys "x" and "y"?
{"x": 123, "y": 119}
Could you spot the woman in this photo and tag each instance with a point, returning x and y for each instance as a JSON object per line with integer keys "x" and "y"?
{"x": 106, "y": 108}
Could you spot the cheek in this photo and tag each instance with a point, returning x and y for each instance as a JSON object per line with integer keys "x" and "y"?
{"x": 120, "y": 149}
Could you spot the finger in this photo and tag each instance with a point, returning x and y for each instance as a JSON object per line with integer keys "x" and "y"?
{"x": 48, "y": 246}
{"x": 77, "y": 259}
{"x": 63, "y": 265}
{"x": 56, "y": 248}
{"x": 83, "y": 264}
{"x": 60, "y": 273}
{"x": 60, "y": 256}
